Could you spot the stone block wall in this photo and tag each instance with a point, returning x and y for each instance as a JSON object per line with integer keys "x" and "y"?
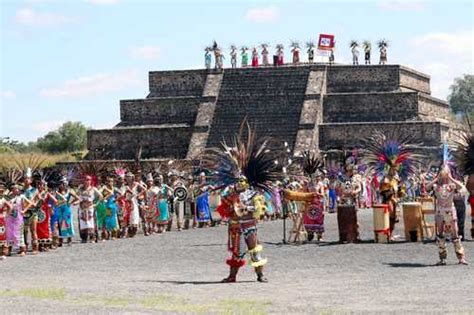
{"x": 123, "y": 142}
{"x": 350, "y": 135}
{"x": 177, "y": 83}
{"x": 342, "y": 79}
{"x": 308, "y": 106}
{"x": 431, "y": 108}
{"x": 370, "y": 107}
{"x": 414, "y": 80}
{"x": 155, "y": 111}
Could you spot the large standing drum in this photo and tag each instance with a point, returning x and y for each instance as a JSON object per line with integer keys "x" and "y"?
{"x": 381, "y": 223}
{"x": 412, "y": 218}
{"x": 347, "y": 224}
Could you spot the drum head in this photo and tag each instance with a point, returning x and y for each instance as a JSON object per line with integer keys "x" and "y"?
{"x": 180, "y": 193}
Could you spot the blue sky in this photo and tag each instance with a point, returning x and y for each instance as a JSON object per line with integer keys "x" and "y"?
{"x": 74, "y": 60}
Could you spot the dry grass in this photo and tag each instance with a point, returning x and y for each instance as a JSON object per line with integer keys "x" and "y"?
{"x": 15, "y": 160}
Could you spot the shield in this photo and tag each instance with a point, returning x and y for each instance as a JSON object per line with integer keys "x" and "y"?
{"x": 180, "y": 193}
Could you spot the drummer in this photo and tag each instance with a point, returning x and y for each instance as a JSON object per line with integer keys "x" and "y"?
{"x": 348, "y": 189}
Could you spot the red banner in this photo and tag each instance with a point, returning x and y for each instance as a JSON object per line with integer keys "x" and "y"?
{"x": 325, "y": 42}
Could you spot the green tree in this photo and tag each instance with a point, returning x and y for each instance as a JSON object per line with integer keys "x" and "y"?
{"x": 70, "y": 137}
{"x": 461, "y": 98}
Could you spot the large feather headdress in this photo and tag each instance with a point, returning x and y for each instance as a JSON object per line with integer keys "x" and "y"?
{"x": 383, "y": 152}
{"x": 312, "y": 163}
{"x": 247, "y": 157}
{"x": 466, "y": 153}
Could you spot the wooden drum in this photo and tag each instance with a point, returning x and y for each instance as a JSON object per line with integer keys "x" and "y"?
{"x": 412, "y": 218}
{"x": 347, "y": 224}
{"x": 381, "y": 223}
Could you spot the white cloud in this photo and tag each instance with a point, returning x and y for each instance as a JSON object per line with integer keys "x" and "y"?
{"x": 401, "y": 5}
{"x": 263, "y": 14}
{"x": 103, "y": 2}
{"x": 47, "y": 126}
{"x": 28, "y": 16}
{"x": 7, "y": 95}
{"x": 453, "y": 43}
{"x": 444, "y": 56}
{"x": 92, "y": 85}
{"x": 147, "y": 52}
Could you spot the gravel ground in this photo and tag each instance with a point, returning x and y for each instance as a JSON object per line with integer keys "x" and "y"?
{"x": 179, "y": 272}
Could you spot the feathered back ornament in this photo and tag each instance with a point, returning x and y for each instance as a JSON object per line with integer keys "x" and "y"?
{"x": 466, "y": 153}
{"x": 94, "y": 170}
{"x": 248, "y": 157}
{"x": 312, "y": 163}
{"x": 383, "y": 152}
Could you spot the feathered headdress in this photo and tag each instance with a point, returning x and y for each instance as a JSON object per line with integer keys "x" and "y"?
{"x": 310, "y": 44}
{"x": 294, "y": 44}
{"x": 31, "y": 164}
{"x": 383, "y": 43}
{"x": 383, "y": 152}
{"x": 251, "y": 159}
{"x": 366, "y": 45}
{"x": 353, "y": 44}
{"x": 94, "y": 170}
{"x": 466, "y": 153}
{"x": 280, "y": 47}
{"x": 312, "y": 163}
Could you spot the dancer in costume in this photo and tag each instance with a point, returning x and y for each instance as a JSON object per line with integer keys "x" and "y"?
{"x": 14, "y": 222}
{"x": 30, "y": 217}
{"x": 65, "y": 198}
{"x": 132, "y": 190}
{"x": 44, "y": 202}
{"x": 280, "y": 54}
{"x": 244, "y": 168}
{"x": 88, "y": 198}
{"x": 122, "y": 203}
{"x": 233, "y": 56}
{"x": 444, "y": 186}
{"x": 354, "y": 45}
{"x": 255, "y": 57}
{"x": 201, "y": 191}
{"x": 383, "y": 44}
{"x": 265, "y": 53}
{"x": 312, "y": 195}
{"x": 245, "y": 56}
{"x": 5, "y": 206}
{"x": 391, "y": 159}
{"x": 295, "y": 50}
{"x": 179, "y": 202}
{"x": 367, "y": 49}
{"x": 150, "y": 210}
{"x": 208, "y": 57}
{"x": 218, "y": 56}
{"x": 310, "y": 45}
{"x": 110, "y": 193}
{"x": 164, "y": 193}
{"x": 466, "y": 149}
{"x": 348, "y": 190}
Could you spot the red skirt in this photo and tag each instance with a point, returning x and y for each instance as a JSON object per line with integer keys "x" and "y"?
{"x": 43, "y": 227}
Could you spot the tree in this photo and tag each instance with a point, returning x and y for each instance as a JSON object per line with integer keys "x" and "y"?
{"x": 70, "y": 137}
{"x": 461, "y": 98}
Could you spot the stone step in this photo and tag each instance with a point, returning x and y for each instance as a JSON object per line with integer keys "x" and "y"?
{"x": 351, "y": 135}
{"x": 162, "y": 141}
{"x": 159, "y": 111}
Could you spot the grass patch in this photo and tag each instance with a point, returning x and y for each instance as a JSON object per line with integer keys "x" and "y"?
{"x": 172, "y": 304}
{"x": 235, "y": 307}
{"x": 36, "y": 293}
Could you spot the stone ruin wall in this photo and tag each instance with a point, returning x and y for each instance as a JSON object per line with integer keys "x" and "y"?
{"x": 316, "y": 106}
